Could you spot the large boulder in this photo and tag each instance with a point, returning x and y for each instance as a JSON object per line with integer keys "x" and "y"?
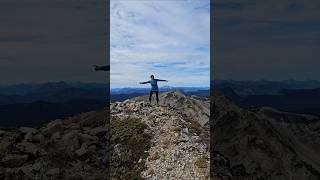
{"x": 53, "y": 127}
{"x": 99, "y": 131}
{"x": 85, "y": 138}
{"x": 29, "y": 148}
{"x": 28, "y": 130}
{"x": 83, "y": 150}
{"x": 71, "y": 140}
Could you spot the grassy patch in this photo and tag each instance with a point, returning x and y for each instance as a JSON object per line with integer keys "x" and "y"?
{"x": 194, "y": 127}
{"x": 129, "y": 133}
{"x": 201, "y": 162}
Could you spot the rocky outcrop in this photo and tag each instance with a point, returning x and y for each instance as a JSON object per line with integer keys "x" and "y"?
{"x": 180, "y": 134}
{"x": 76, "y": 148}
{"x": 62, "y": 149}
{"x": 245, "y": 144}
{"x": 263, "y": 143}
{"x": 191, "y": 107}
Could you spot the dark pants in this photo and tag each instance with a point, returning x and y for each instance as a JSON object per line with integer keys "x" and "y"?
{"x": 157, "y": 93}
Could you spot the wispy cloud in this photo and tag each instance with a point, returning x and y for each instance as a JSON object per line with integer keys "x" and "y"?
{"x": 170, "y": 39}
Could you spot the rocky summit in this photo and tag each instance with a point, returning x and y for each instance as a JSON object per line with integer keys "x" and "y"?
{"x": 179, "y": 128}
{"x": 167, "y": 141}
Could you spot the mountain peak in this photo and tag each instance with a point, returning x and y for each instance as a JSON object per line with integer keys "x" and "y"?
{"x": 179, "y": 129}
{"x": 195, "y": 108}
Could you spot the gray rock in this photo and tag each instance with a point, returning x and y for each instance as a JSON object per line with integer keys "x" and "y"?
{"x": 184, "y": 138}
{"x": 39, "y": 138}
{"x": 2, "y": 132}
{"x": 28, "y": 130}
{"x": 98, "y": 131}
{"x": 185, "y": 130}
{"x": 92, "y": 148}
{"x": 28, "y": 147}
{"x": 56, "y": 135}
{"x": 53, "y": 127}
{"x": 83, "y": 150}
{"x": 13, "y": 160}
{"x": 89, "y": 121}
{"x": 85, "y": 138}
{"x": 147, "y": 131}
{"x": 118, "y": 148}
{"x": 74, "y": 126}
{"x": 27, "y": 171}
{"x": 28, "y": 137}
{"x": 71, "y": 141}
{"x": 4, "y": 144}
{"x": 36, "y": 166}
{"x": 53, "y": 172}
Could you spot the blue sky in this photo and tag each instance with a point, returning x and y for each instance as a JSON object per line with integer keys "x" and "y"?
{"x": 170, "y": 39}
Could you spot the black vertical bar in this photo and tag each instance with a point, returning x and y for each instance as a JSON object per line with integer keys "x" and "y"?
{"x": 107, "y": 45}
{"x": 212, "y": 104}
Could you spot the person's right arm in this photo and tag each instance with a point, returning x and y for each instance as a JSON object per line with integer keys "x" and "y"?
{"x": 144, "y": 82}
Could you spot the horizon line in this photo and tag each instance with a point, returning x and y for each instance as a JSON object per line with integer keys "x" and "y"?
{"x": 98, "y": 82}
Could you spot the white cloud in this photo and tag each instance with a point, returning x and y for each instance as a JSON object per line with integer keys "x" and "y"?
{"x": 150, "y": 37}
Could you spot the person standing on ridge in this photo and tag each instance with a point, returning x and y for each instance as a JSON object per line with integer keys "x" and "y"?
{"x": 154, "y": 87}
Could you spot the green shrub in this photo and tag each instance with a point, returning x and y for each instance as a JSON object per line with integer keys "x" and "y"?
{"x": 194, "y": 127}
{"x": 130, "y": 134}
{"x": 201, "y": 162}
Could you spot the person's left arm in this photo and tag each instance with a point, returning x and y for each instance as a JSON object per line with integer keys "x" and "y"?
{"x": 162, "y": 80}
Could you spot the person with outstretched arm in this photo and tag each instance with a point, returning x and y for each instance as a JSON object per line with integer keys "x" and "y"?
{"x": 154, "y": 87}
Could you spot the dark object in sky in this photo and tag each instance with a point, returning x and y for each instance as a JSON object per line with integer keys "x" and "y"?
{"x": 101, "y": 68}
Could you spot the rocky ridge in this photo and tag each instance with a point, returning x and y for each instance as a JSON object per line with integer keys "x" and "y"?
{"x": 246, "y": 144}
{"x": 263, "y": 143}
{"x": 180, "y": 134}
{"x": 76, "y": 148}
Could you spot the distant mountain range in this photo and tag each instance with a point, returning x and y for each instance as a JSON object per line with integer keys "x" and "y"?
{"x": 290, "y": 95}
{"x": 61, "y": 99}
{"x": 300, "y": 101}
{"x": 263, "y": 87}
{"x": 120, "y": 94}
{"x": 51, "y": 88}
{"x": 34, "y": 104}
{"x": 37, "y": 113}
{"x": 129, "y": 90}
